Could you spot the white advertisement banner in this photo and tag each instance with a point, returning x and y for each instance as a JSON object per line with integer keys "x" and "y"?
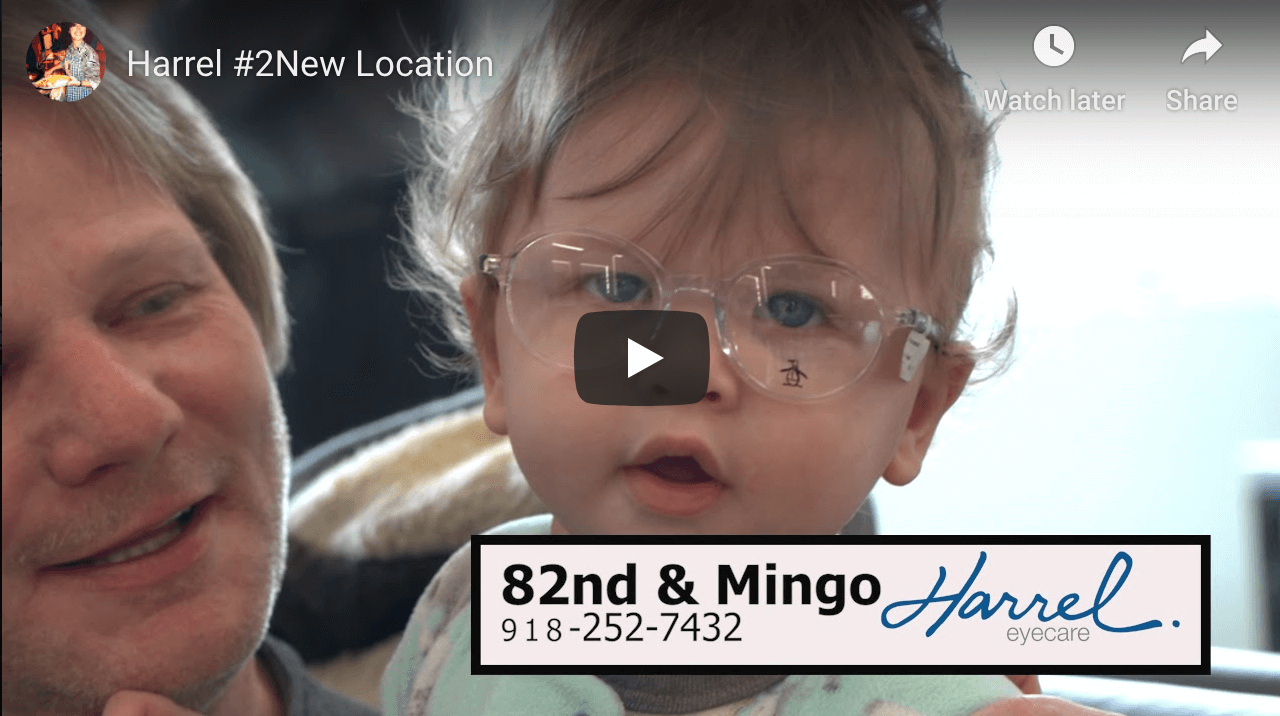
{"x": 1066, "y": 605}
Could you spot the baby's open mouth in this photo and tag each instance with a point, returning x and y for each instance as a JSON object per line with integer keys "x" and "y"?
{"x": 676, "y": 478}
{"x": 683, "y": 470}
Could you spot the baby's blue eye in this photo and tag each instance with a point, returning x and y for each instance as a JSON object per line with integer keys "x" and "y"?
{"x": 626, "y": 288}
{"x": 794, "y": 310}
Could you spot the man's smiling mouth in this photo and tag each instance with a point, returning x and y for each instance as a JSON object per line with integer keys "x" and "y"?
{"x": 159, "y": 538}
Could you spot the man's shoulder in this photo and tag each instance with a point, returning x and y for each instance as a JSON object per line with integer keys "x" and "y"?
{"x": 301, "y": 694}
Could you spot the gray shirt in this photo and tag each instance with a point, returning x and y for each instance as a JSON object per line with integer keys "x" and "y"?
{"x": 299, "y": 692}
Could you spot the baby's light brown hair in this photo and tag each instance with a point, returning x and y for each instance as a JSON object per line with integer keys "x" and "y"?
{"x": 877, "y": 61}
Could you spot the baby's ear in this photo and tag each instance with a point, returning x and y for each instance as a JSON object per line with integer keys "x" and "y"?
{"x": 485, "y": 339}
{"x": 945, "y": 376}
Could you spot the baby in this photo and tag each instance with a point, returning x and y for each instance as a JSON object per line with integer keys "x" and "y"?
{"x": 805, "y": 174}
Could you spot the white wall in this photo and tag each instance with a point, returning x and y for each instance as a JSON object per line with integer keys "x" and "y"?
{"x": 1145, "y": 250}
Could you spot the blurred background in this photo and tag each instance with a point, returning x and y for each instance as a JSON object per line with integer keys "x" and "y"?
{"x": 1144, "y": 246}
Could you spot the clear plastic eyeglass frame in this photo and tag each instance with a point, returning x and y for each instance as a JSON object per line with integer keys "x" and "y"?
{"x": 925, "y": 331}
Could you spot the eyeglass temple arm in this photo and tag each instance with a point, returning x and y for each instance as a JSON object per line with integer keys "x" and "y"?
{"x": 922, "y": 323}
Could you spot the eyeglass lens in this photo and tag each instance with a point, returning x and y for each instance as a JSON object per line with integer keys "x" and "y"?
{"x": 795, "y": 326}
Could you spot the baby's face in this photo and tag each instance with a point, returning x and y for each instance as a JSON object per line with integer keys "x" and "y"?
{"x": 740, "y": 461}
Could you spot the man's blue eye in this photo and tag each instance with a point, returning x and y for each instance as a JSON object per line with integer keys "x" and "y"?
{"x": 155, "y": 303}
{"x": 794, "y": 310}
{"x": 626, "y": 288}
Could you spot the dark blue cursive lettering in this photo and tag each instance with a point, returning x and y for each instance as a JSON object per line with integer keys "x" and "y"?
{"x": 979, "y": 603}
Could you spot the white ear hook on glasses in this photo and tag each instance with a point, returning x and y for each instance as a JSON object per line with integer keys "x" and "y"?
{"x": 924, "y": 332}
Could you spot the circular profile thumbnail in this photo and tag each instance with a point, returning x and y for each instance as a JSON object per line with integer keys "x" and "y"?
{"x": 66, "y": 62}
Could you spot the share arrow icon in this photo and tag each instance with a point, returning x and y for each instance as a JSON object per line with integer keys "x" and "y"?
{"x": 1208, "y": 45}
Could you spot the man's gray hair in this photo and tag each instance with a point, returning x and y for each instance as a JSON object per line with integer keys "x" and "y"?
{"x": 153, "y": 127}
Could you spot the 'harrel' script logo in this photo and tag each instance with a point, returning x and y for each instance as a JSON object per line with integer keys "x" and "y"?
{"x": 979, "y": 603}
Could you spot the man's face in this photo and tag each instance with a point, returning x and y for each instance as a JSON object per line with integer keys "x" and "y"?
{"x": 763, "y": 465}
{"x": 135, "y": 390}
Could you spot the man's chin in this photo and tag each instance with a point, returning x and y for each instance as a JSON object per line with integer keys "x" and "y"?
{"x": 23, "y": 697}
{"x": 39, "y": 678}
{"x": 205, "y": 697}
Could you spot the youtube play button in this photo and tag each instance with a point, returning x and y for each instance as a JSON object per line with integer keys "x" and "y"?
{"x": 641, "y": 358}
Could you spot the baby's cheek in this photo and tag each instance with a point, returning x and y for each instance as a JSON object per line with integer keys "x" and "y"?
{"x": 563, "y": 446}
{"x": 808, "y": 481}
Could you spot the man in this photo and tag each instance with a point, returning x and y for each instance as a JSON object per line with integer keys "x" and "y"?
{"x": 144, "y": 449}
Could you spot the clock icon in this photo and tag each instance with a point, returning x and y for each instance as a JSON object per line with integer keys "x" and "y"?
{"x": 1054, "y": 46}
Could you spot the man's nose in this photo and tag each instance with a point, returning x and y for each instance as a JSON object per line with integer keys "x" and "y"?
{"x": 99, "y": 405}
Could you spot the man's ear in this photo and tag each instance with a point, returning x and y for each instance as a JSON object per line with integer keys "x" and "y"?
{"x": 484, "y": 336}
{"x": 945, "y": 376}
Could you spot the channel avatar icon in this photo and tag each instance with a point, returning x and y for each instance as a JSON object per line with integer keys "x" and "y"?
{"x": 66, "y": 62}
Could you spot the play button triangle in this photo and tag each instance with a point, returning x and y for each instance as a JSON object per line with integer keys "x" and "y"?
{"x": 639, "y": 357}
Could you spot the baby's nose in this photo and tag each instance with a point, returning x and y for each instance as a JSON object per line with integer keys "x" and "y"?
{"x": 700, "y": 301}
{"x": 724, "y": 384}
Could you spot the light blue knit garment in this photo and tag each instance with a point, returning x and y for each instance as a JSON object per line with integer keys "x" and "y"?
{"x": 430, "y": 673}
